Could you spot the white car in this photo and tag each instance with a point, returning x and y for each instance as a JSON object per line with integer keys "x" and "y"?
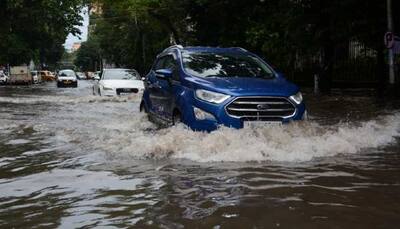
{"x": 3, "y": 77}
{"x": 36, "y": 77}
{"x": 67, "y": 78}
{"x": 118, "y": 82}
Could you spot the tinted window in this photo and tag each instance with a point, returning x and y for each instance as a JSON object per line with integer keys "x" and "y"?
{"x": 207, "y": 64}
{"x": 159, "y": 64}
{"x": 170, "y": 63}
{"x": 121, "y": 74}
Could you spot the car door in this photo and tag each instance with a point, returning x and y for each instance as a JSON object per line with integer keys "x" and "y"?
{"x": 153, "y": 86}
{"x": 166, "y": 86}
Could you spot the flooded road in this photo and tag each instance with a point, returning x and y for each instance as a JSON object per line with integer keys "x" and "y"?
{"x": 72, "y": 160}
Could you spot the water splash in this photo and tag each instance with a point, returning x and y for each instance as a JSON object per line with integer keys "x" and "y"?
{"x": 135, "y": 137}
{"x": 68, "y": 99}
{"x": 115, "y": 126}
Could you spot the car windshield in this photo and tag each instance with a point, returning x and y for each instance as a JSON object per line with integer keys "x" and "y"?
{"x": 208, "y": 64}
{"x": 67, "y": 73}
{"x": 123, "y": 74}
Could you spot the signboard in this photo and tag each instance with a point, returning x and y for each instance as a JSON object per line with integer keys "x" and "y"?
{"x": 389, "y": 40}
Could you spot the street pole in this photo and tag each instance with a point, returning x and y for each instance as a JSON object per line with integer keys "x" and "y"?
{"x": 391, "y": 53}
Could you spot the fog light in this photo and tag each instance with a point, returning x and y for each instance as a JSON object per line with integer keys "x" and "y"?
{"x": 202, "y": 115}
{"x": 108, "y": 88}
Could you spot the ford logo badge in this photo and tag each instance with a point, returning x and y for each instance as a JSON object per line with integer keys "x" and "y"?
{"x": 262, "y": 107}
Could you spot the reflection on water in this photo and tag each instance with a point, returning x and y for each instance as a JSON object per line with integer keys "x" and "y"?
{"x": 69, "y": 159}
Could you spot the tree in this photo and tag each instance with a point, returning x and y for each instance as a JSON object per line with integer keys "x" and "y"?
{"x": 316, "y": 33}
{"x": 37, "y": 29}
{"x": 88, "y": 57}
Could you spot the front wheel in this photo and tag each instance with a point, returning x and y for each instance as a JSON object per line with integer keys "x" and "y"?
{"x": 142, "y": 107}
{"x": 177, "y": 118}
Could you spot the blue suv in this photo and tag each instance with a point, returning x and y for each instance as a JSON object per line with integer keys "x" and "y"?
{"x": 206, "y": 87}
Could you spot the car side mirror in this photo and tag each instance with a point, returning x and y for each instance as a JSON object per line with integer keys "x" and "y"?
{"x": 164, "y": 74}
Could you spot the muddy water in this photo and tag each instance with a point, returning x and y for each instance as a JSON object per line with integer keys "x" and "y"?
{"x": 72, "y": 160}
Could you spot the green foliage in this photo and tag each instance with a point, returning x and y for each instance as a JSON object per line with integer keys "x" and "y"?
{"x": 132, "y": 32}
{"x": 88, "y": 57}
{"x": 37, "y": 29}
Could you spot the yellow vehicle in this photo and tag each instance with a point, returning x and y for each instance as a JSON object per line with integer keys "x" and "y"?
{"x": 47, "y": 76}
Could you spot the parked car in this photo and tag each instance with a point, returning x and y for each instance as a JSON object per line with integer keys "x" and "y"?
{"x": 67, "y": 78}
{"x": 3, "y": 77}
{"x": 36, "y": 77}
{"x": 96, "y": 75}
{"x": 47, "y": 76}
{"x": 80, "y": 75}
{"x": 207, "y": 87}
{"x": 118, "y": 82}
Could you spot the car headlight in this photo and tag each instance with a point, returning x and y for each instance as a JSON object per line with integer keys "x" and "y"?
{"x": 108, "y": 88}
{"x": 212, "y": 97}
{"x": 297, "y": 98}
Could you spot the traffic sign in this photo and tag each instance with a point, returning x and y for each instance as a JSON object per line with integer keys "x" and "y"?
{"x": 389, "y": 40}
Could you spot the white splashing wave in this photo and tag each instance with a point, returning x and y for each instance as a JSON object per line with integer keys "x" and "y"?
{"x": 294, "y": 142}
{"x": 68, "y": 99}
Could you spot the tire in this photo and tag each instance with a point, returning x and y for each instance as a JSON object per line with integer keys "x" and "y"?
{"x": 143, "y": 108}
{"x": 177, "y": 118}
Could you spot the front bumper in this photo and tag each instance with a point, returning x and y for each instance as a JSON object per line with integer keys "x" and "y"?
{"x": 121, "y": 92}
{"x": 67, "y": 83}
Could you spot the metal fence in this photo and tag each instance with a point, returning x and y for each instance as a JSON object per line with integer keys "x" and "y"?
{"x": 353, "y": 64}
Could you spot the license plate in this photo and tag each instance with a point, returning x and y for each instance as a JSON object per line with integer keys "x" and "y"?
{"x": 124, "y": 93}
{"x": 67, "y": 82}
{"x": 261, "y": 124}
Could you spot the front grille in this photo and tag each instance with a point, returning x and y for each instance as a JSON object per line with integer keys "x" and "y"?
{"x": 261, "y": 108}
{"x": 127, "y": 90}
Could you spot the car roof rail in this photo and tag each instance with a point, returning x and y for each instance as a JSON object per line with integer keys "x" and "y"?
{"x": 239, "y": 48}
{"x": 172, "y": 47}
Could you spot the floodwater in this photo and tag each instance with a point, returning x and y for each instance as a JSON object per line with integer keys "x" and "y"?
{"x": 72, "y": 160}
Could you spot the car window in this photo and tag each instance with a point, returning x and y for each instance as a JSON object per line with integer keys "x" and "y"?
{"x": 67, "y": 73}
{"x": 208, "y": 64}
{"x": 121, "y": 74}
{"x": 170, "y": 63}
{"x": 159, "y": 64}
